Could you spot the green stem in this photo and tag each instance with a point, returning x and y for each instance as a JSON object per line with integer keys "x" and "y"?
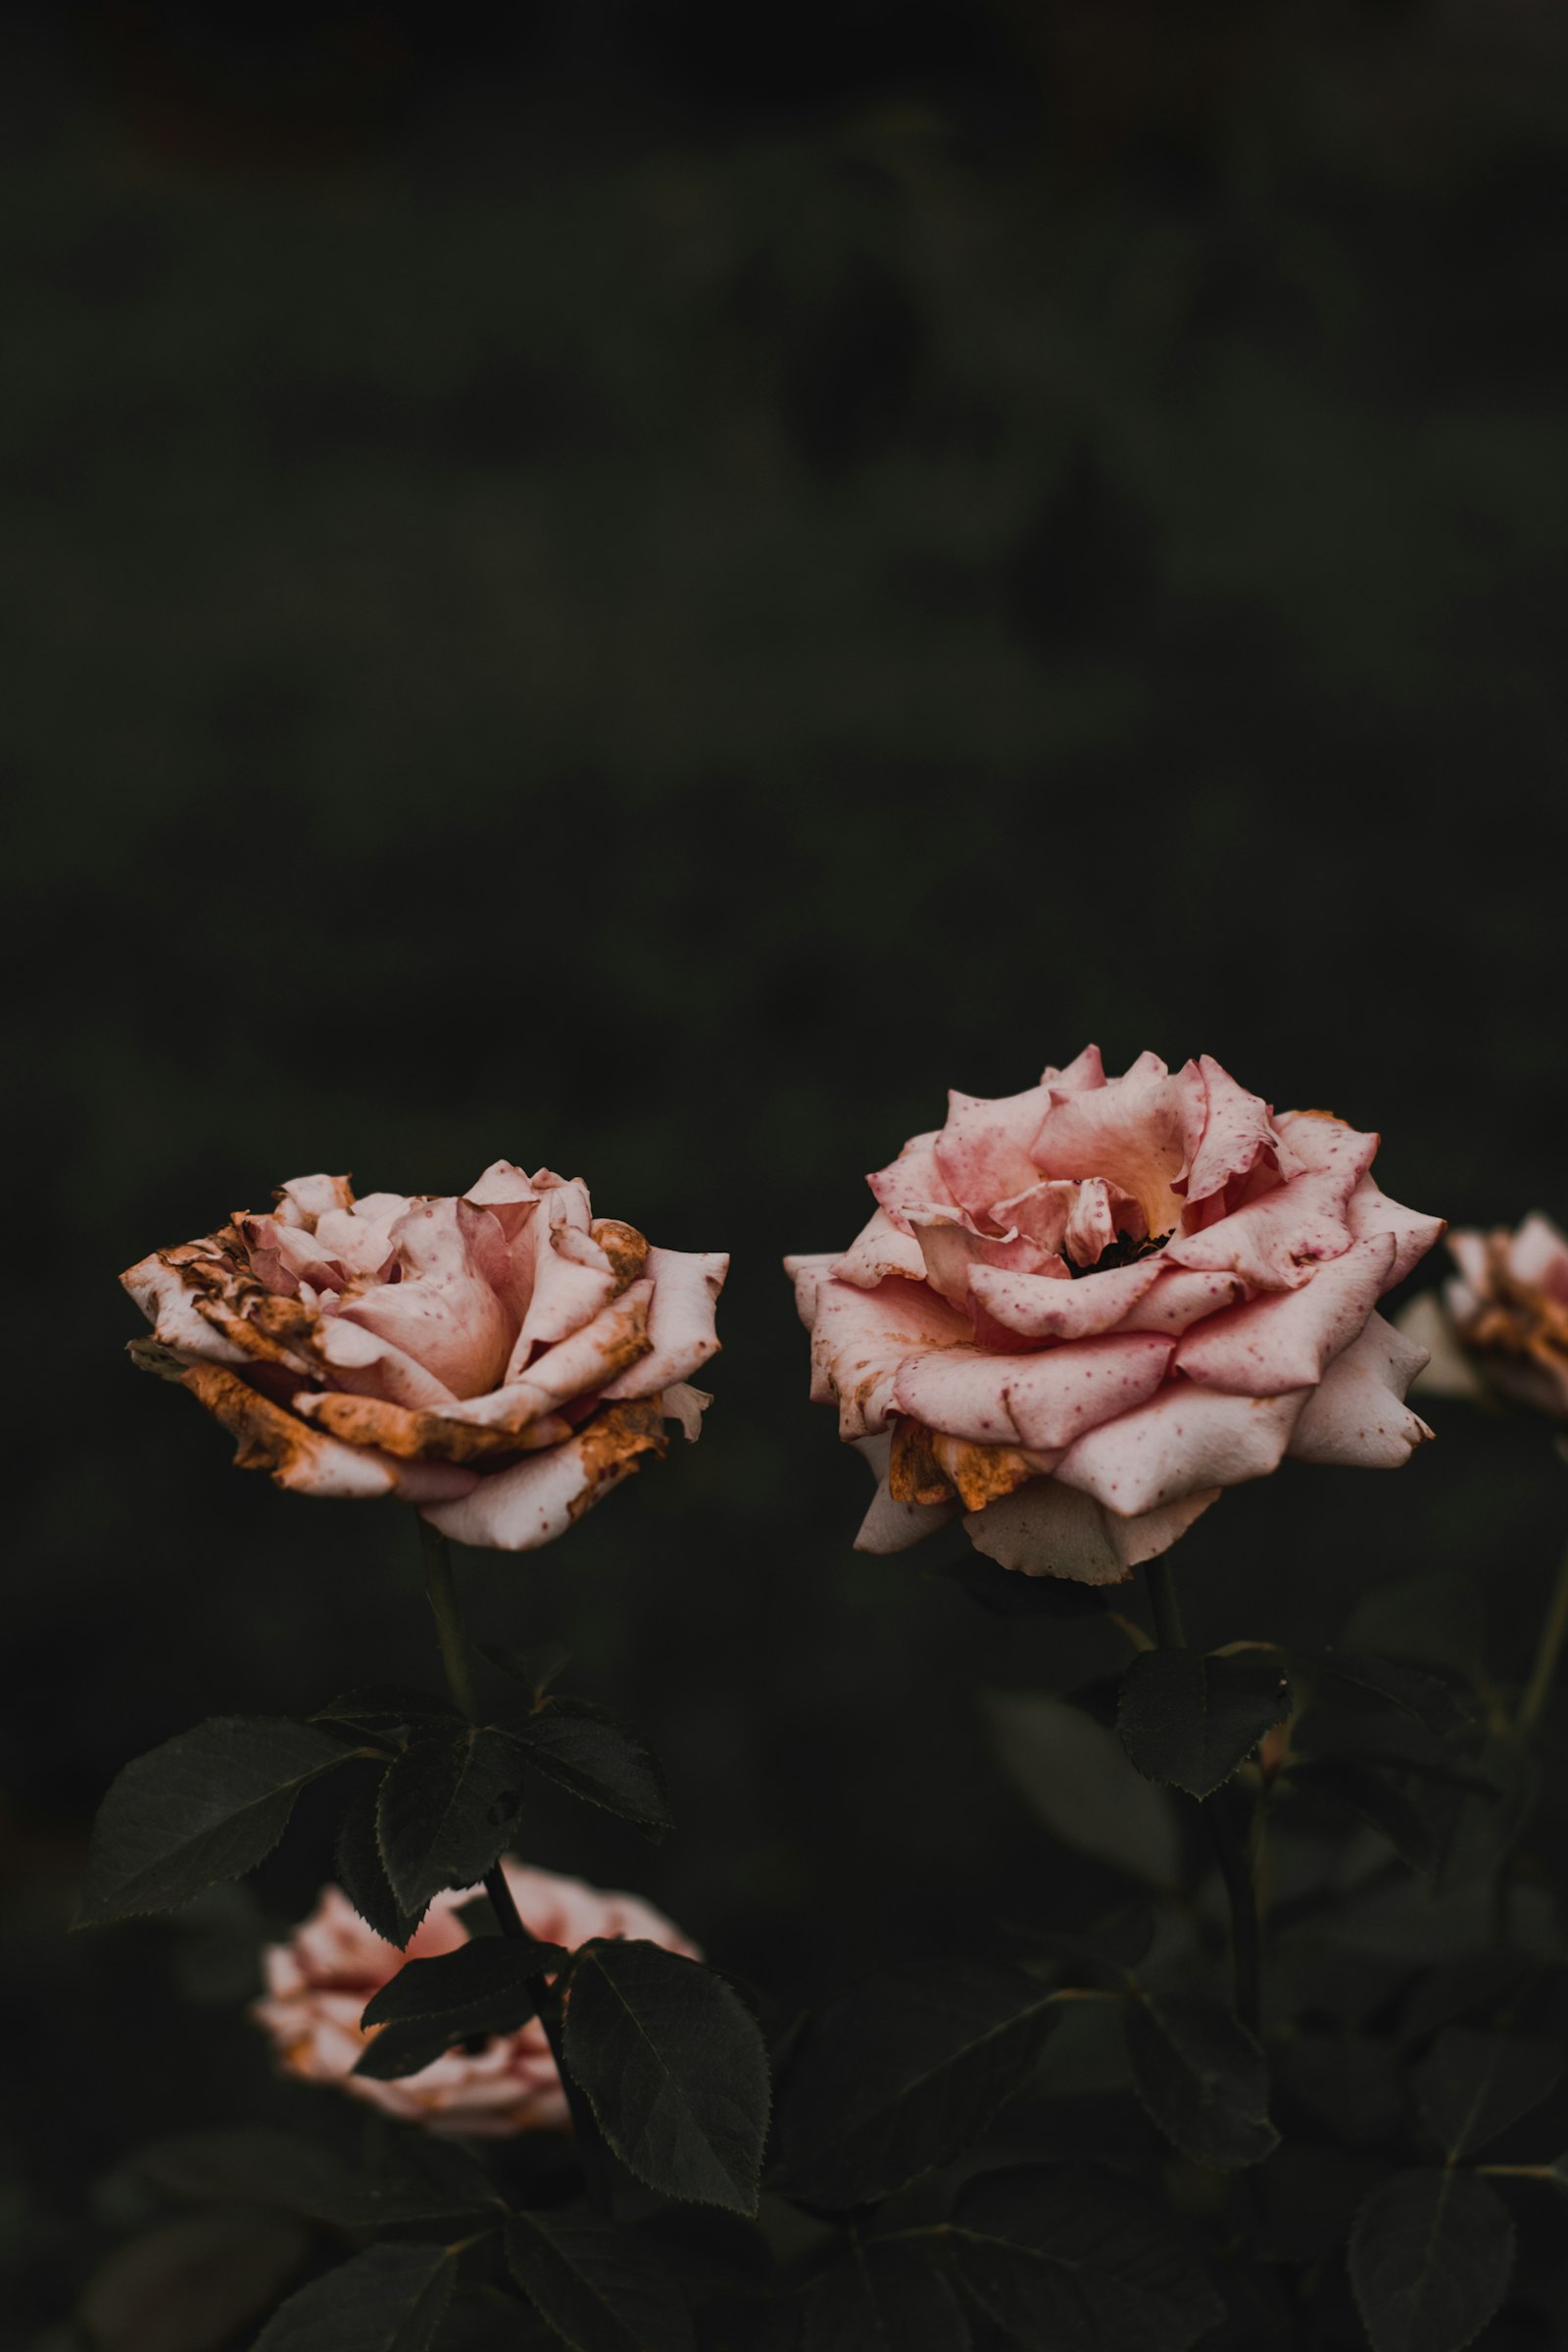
{"x": 1227, "y": 1836}
{"x": 441, "y": 1589}
{"x": 1548, "y": 1654}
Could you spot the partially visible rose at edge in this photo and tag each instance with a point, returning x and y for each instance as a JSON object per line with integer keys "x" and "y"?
{"x": 1080, "y": 1312}
{"x": 1499, "y": 1325}
{"x": 500, "y": 1358}
{"x": 318, "y": 1981}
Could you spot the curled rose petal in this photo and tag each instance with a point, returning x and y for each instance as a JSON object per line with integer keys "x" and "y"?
{"x": 1037, "y": 1306}
{"x": 681, "y": 1332}
{"x": 533, "y": 1501}
{"x": 1038, "y": 1401}
{"x": 681, "y": 1402}
{"x": 1369, "y": 1210}
{"x": 1276, "y": 1241}
{"x": 1048, "y": 1529}
{"x": 1186, "y": 1439}
{"x": 1358, "y": 1416}
{"x": 913, "y": 1185}
{"x": 1133, "y": 1131}
{"x": 878, "y": 1250}
{"x": 949, "y": 1252}
{"x": 891, "y": 1526}
{"x": 1229, "y": 1133}
{"x": 304, "y": 1459}
{"x": 1288, "y": 1339}
{"x": 304, "y": 1199}
{"x": 444, "y": 1312}
{"x": 1177, "y": 1300}
{"x": 367, "y": 1365}
{"x": 983, "y": 1152}
{"x": 860, "y": 1338}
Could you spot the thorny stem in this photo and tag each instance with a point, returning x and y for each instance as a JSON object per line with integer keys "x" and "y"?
{"x": 1227, "y": 1837}
{"x": 1548, "y": 1654}
{"x": 441, "y": 1589}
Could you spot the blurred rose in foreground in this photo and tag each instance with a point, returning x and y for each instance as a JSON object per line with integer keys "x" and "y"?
{"x": 319, "y": 1983}
{"x": 1501, "y": 1325}
{"x": 501, "y": 1358}
{"x": 1080, "y": 1312}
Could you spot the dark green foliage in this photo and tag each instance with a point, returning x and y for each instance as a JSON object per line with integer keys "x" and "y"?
{"x": 481, "y": 1989}
{"x": 190, "y": 2284}
{"x": 1077, "y": 1778}
{"x": 1431, "y": 2256}
{"x": 1072, "y": 2259}
{"x": 599, "y": 2288}
{"x": 1375, "y": 1796}
{"x": 1006, "y": 1594}
{"x": 388, "y": 2299}
{"x": 1471, "y": 2085}
{"x": 445, "y": 1810}
{"x": 207, "y": 1805}
{"x": 885, "y": 2295}
{"x": 1435, "y": 1701}
{"x": 675, "y": 2068}
{"x": 591, "y": 1753}
{"x": 1202, "y": 2078}
{"x": 536, "y": 1669}
{"x": 422, "y": 2180}
{"x": 1190, "y": 1721}
{"x": 903, "y": 2074}
{"x": 362, "y": 1873}
{"x": 389, "y": 1707}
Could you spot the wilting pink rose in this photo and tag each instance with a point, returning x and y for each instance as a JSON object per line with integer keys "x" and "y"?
{"x": 1081, "y": 1311}
{"x": 319, "y": 1983}
{"x": 1501, "y": 1325}
{"x": 501, "y": 1358}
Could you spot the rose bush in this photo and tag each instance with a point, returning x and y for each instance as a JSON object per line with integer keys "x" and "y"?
{"x": 1081, "y": 1311}
{"x": 501, "y": 1358}
{"x": 320, "y": 1981}
{"x": 1501, "y": 1325}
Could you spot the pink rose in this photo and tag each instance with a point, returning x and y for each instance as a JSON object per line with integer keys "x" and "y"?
{"x": 500, "y": 1360}
{"x": 1081, "y": 1311}
{"x": 319, "y": 1983}
{"x": 1502, "y": 1322}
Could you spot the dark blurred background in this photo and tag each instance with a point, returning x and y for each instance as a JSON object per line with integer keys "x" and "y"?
{"x": 645, "y": 591}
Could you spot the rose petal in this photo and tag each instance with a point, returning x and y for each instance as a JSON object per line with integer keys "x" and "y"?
{"x": 912, "y": 1183}
{"x": 1286, "y": 1339}
{"x": 304, "y": 1198}
{"x": 1083, "y": 1073}
{"x": 949, "y": 1250}
{"x": 1275, "y": 1241}
{"x": 1449, "y": 1370}
{"x": 807, "y": 1271}
{"x": 616, "y": 1340}
{"x": 1039, "y": 1307}
{"x": 520, "y": 1509}
{"x": 1358, "y": 1416}
{"x": 1133, "y": 1130}
{"x": 168, "y": 1296}
{"x": 358, "y": 1243}
{"x": 681, "y": 1329}
{"x": 877, "y": 1251}
{"x": 1184, "y": 1441}
{"x": 1044, "y": 1401}
{"x": 573, "y": 1280}
{"x": 860, "y": 1338}
{"x": 452, "y": 1436}
{"x": 444, "y": 1312}
{"x": 890, "y": 1526}
{"x": 302, "y": 1458}
{"x": 983, "y": 1151}
{"x": 1235, "y": 1131}
{"x": 683, "y": 1403}
{"x": 367, "y": 1365}
{"x": 1177, "y": 1300}
{"x": 1047, "y": 1529}
{"x": 1538, "y": 1255}
{"x": 1369, "y": 1210}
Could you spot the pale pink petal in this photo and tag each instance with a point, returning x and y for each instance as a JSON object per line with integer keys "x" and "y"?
{"x": 983, "y": 1151}
{"x": 572, "y": 1280}
{"x": 369, "y": 1366}
{"x": 1449, "y": 1371}
{"x": 949, "y": 1250}
{"x": 284, "y": 1255}
{"x": 1369, "y": 1210}
{"x": 1276, "y": 1241}
{"x": 808, "y": 1272}
{"x": 1047, "y": 1529}
{"x": 681, "y": 1329}
{"x": 358, "y": 1243}
{"x": 536, "y": 1499}
{"x": 1286, "y": 1339}
{"x": 1236, "y": 1131}
{"x": 307, "y": 1460}
{"x": 1538, "y": 1254}
{"x": 879, "y": 1249}
{"x": 1358, "y": 1417}
{"x": 583, "y": 1364}
{"x": 1094, "y": 1223}
{"x": 304, "y": 1198}
{"x": 1043, "y": 1211}
{"x": 444, "y": 1312}
{"x": 1039, "y": 1401}
{"x": 912, "y": 1184}
{"x": 1083, "y": 1073}
{"x": 890, "y": 1526}
{"x": 1468, "y": 1250}
{"x": 169, "y": 1300}
{"x": 1045, "y": 1307}
{"x": 860, "y": 1338}
{"x": 1184, "y": 1441}
{"x": 1177, "y": 1300}
{"x": 683, "y": 1403}
{"x": 1132, "y": 1130}
{"x": 503, "y": 1183}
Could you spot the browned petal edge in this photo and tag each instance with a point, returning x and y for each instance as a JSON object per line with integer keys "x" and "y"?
{"x": 270, "y": 1438}
{"x": 410, "y": 1434}
{"x": 925, "y": 1465}
{"x": 609, "y": 1445}
{"x": 624, "y": 1246}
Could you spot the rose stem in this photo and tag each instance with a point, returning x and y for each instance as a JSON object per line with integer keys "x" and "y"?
{"x": 1548, "y": 1654}
{"x": 1229, "y": 1850}
{"x": 441, "y": 1589}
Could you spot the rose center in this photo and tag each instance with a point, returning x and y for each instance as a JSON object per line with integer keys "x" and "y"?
{"x": 1124, "y": 1250}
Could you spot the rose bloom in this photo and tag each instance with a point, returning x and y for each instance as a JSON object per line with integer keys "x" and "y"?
{"x": 1080, "y": 1312}
{"x": 319, "y": 1983}
{"x": 500, "y": 1359}
{"x": 1501, "y": 1325}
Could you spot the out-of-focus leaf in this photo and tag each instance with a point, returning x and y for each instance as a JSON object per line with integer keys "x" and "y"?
{"x": 599, "y": 2287}
{"x": 1202, "y": 2078}
{"x": 190, "y": 2283}
{"x": 1471, "y": 2085}
{"x": 884, "y": 2293}
{"x": 1076, "y": 1776}
{"x": 589, "y": 1753}
{"x": 1431, "y": 2257}
{"x": 388, "y": 2299}
{"x": 1190, "y": 1721}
